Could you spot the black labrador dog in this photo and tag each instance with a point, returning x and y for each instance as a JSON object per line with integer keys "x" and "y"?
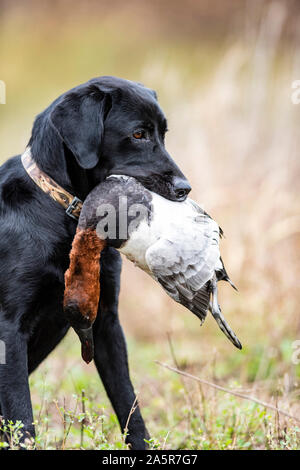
{"x": 105, "y": 126}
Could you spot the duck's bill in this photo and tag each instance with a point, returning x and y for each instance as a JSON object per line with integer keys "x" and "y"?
{"x": 87, "y": 343}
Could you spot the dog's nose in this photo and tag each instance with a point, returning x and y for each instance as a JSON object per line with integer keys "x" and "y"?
{"x": 181, "y": 188}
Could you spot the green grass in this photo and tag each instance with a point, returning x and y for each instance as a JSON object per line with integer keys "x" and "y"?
{"x": 72, "y": 411}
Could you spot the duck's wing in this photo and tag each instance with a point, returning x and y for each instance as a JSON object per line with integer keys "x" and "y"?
{"x": 184, "y": 263}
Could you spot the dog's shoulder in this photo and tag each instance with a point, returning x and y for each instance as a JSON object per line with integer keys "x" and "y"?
{"x": 15, "y": 188}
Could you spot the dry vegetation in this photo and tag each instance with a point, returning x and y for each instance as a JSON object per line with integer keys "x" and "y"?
{"x": 235, "y": 133}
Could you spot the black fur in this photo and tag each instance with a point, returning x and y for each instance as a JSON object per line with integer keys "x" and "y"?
{"x": 84, "y": 136}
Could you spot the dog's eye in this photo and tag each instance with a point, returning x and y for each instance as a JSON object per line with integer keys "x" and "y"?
{"x": 139, "y": 134}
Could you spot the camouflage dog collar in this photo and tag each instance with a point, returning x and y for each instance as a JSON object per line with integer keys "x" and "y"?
{"x": 70, "y": 203}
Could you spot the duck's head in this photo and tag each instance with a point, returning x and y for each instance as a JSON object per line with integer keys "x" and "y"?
{"x": 82, "y": 287}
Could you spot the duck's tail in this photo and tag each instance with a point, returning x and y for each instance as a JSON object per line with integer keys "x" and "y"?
{"x": 215, "y": 309}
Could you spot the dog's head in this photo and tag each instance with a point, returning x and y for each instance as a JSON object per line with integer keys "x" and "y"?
{"x": 103, "y": 127}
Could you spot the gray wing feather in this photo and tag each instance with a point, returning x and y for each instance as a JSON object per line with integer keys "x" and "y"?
{"x": 183, "y": 266}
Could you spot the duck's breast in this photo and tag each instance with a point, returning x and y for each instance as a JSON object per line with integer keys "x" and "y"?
{"x": 168, "y": 219}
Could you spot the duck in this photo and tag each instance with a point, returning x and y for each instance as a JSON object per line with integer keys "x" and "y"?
{"x": 176, "y": 243}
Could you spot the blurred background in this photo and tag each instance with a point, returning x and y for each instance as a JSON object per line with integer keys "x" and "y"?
{"x": 223, "y": 72}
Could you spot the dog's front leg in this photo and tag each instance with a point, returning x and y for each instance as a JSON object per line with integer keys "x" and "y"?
{"x": 15, "y": 402}
{"x": 111, "y": 354}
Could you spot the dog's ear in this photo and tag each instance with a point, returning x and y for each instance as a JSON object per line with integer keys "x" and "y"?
{"x": 154, "y": 94}
{"x": 79, "y": 120}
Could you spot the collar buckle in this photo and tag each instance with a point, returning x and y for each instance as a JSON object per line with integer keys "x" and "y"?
{"x": 73, "y": 206}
